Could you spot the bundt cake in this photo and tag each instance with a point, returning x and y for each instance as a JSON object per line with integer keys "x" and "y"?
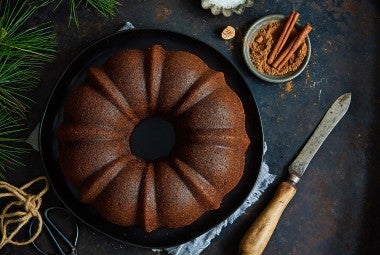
{"x": 206, "y": 162}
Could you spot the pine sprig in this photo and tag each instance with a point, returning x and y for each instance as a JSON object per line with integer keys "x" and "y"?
{"x": 35, "y": 43}
{"x": 11, "y": 148}
{"x": 22, "y": 52}
{"x": 16, "y": 78}
{"x": 105, "y": 7}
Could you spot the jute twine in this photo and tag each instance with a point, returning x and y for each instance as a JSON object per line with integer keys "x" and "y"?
{"x": 20, "y": 210}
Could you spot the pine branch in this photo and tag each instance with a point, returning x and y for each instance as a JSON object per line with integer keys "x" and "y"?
{"x": 35, "y": 43}
{"x": 16, "y": 78}
{"x": 11, "y": 148}
{"x": 105, "y": 7}
{"x": 22, "y": 52}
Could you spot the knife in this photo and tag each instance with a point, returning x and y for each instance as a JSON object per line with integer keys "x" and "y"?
{"x": 258, "y": 235}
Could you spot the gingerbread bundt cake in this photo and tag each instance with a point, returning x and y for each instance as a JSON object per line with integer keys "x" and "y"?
{"x": 206, "y": 162}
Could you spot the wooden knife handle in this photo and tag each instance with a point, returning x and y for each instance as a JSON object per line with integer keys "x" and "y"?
{"x": 258, "y": 235}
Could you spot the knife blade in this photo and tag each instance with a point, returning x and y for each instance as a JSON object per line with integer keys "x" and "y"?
{"x": 336, "y": 112}
{"x": 258, "y": 235}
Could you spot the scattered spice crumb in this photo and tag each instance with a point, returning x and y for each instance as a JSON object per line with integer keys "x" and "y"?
{"x": 308, "y": 77}
{"x": 162, "y": 14}
{"x": 289, "y": 86}
{"x": 262, "y": 44}
{"x": 230, "y": 45}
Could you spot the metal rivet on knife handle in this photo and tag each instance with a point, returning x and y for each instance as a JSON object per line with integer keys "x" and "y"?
{"x": 258, "y": 235}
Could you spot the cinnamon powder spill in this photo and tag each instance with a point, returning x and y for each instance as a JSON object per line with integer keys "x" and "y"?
{"x": 262, "y": 44}
{"x": 289, "y": 86}
{"x": 162, "y": 13}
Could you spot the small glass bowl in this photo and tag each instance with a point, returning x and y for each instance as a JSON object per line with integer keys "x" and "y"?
{"x": 216, "y": 10}
{"x": 250, "y": 36}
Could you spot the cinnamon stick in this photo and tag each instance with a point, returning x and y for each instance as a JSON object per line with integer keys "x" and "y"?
{"x": 291, "y": 49}
{"x": 289, "y": 25}
{"x": 284, "y": 53}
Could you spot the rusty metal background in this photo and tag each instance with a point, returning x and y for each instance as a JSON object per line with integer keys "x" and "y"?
{"x": 337, "y": 207}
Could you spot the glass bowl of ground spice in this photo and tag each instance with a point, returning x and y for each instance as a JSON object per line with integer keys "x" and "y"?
{"x": 262, "y": 38}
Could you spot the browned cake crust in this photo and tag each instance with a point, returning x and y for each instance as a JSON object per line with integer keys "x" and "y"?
{"x": 100, "y": 115}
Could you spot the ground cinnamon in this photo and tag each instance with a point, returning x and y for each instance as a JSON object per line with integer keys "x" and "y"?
{"x": 262, "y": 45}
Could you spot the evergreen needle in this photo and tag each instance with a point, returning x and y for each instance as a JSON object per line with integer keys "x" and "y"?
{"x": 35, "y": 43}
{"x": 11, "y": 148}
{"x": 105, "y": 7}
{"x": 22, "y": 51}
{"x": 16, "y": 77}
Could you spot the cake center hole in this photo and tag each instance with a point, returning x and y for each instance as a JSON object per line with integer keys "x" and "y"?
{"x": 152, "y": 138}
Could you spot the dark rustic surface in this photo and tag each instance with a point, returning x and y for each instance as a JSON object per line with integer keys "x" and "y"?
{"x": 336, "y": 209}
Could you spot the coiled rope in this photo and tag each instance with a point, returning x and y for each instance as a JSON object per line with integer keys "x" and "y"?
{"x": 21, "y": 207}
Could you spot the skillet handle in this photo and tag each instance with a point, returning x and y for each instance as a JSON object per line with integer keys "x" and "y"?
{"x": 33, "y": 138}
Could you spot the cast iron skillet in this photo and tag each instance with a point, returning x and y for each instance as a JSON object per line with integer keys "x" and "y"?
{"x": 75, "y": 74}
